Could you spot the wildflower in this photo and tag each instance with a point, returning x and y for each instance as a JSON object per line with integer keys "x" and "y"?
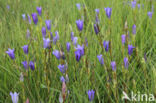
{"x": 80, "y": 49}
{"x": 68, "y": 46}
{"x": 10, "y": 52}
{"x": 133, "y": 4}
{"x": 56, "y": 37}
{"x": 25, "y": 49}
{"x": 78, "y": 6}
{"x": 51, "y": 35}
{"x": 48, "y": 24}
{"x": 25, "y": 64}
{"x": 130, "y": 49}
{"x": 23, "y": 16}
{"x": 106, "y": 45}
{"x": 14, "y": 97}
{"x": 126, "y": 62}
{"x": 100, "y": 59}
{"x": 108, "y": 12}
{"x": 134, "y": 29}
{"x": 150, "y": 14}
{"x": 96, "y": 29}
{"x": 139, "y": 6}
{"x": 29, "y": 19}
{"x": 91, "y": 94}
{"x": 8, "y": 7}
{"x": 113, "y": 64}
{"x": 46, "y": 43}
{"x": 77, "y": 55}
{"x": 43, "y": 32}
{"x": 57, "y": 54}
{"x": 75, "y": 40}
{"x": 97, "y": 11}
{"x": 39, "y": 10}
{"x": 62, "y": 79}
{"x": 79, "y": 24}
{"x": 28, "y": 34}
{"x": 34, "y": 17}
{"x": 72, "y": 36}
{"x": 97, "y": 20}
{"x": 123, "y": 38}
{"x": 62, "y": 68}
{"x": 32, "y": 65}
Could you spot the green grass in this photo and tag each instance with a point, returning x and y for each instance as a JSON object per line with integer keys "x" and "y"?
{"x": 43, "y": 84}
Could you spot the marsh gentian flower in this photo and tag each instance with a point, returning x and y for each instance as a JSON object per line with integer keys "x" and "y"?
{"x": 106, "y": 45}
{"x": 68, "y": 46}
{"x": 130, "y": 49}
{"x": 56, "y": 37}
{"x": 79, "y": 24}
{"x": 57, "y": 54}
{"x": 35, "y": 18}
{"x": 139, "y": 6}
{"x": 62, "y": 79}
{"x": 96, "y": 29}
{"x": 29, "y": 19}
{"x": 28, "y": 34}
{"x": 78, "y": 6}
{"x": 97, "y": 11}
{"x": 77, "y": 55}
{"x": 32, "y": 65}
{"x": 25, "y": 49}
{"x": 43, "y": 32}
{"x": 150, "y": 14}
{"x": 108, "y": 12}
{"x": 8, "y": 7}
{"x": 91, "y": 94}
{"x": 25, "y": 64}
{"x": 113, "y": 64}
{"x": 80, "y": 49}
{"x": 46, "y": 43}
{"x": 126, "y": 62}
{"x": 134, "y": 29}
{"x": 23, "y": 16}
{"x": 10, "y": 52}
{"x": 39, "y": 10}
{"x": 133, "y": 4}
{"x": 51, "y": 35}
{"x": 123, "y": 38}
{"x": 100, "y": 59}
{"x": 75, "y": 40}
{"x": 48, "y": 24}
{"x": 14, "y": 97}
{"x": 97, "y": 19}
{"x": 62, "y": 68}
{"x": 72, "y": 36}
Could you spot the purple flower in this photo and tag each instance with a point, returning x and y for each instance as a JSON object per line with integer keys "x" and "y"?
{"x": 28, "y": 34}
{"x": 25, "y": 49}
{"x": 80, "y": 49}
{"x": 10, "y": 52}
{"x": 113, "y": 64}
{"x": 77, "y": 55}
{"x": 91, "y": 94}
{"x": 8, "y": 7}
{"x": 97, "y": 11}
{"x": 126, "y": 62}
{"x": 130, "y": 49}
{"x": 108, "y": 12}
{"x": 68, "y": 46}
{"x": 133, "y": 4}
{"x": 23, "y": 16}
{"x": 97, "y": 19}
{"x": 29, "y": 19}
{"x": 62, "y": 79}
{"x": 46, "y": 43}
{"x": 79, "y": 24}
{"x": 72, "y": 36}
{"x": 48, "y": 24}
{"x": 150, "y": 14}
{"x": 51, "y": 35}
{"x": 123, "y": 38}
{"x": 34, "y": 17}
{"x": 96, "y": 29}
{"x": 62, "y": 68}
{"x": 14, "y": 97}
{"x": 75, "y": 40}
{"x": 134, "y": 29}
{"x": 56, "y": 37}
{"x": 100, "y": 59}
{"x": 57, "y": 54}
{"x": 39, "y": 10}
{"x": 106, "y": 45}
{"x": 25, "y": 64}
{"x": 43, "y": 32}
{"x": 78, "y": 6}
{"x": 32, "y": 65}
{"x": 139, "y": 6}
